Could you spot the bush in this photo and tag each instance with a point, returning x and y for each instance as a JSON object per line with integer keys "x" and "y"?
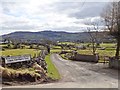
{"x": 3, "y": 49}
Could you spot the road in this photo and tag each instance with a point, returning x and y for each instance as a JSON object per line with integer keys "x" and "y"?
{"x": 80, "y": 75}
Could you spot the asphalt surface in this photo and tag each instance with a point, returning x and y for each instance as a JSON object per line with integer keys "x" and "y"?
{"x": 76, "y": 74}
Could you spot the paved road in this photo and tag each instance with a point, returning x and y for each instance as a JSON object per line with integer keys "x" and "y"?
{"x": 81, "y": 75}
{"x": 86, "y": 74}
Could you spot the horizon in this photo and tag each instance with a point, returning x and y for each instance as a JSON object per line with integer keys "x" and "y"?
{"x": 46, "y": 31}
{"x": 39, "y": 31}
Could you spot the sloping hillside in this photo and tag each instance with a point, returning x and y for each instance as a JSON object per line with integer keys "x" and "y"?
{"x": 53, "y": 35}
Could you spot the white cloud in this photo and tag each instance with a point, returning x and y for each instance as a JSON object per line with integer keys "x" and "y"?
{"x": 36, "y": 15}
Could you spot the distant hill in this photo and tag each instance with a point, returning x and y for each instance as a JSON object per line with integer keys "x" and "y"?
{"x": 53, "y": 36}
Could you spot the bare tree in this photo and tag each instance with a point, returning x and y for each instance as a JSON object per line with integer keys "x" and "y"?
{"x": 111, "y": 16}
{"x": 93, "y": 36}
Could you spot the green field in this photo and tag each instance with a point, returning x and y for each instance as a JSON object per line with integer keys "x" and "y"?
{"x": 55, "y": 50}
{"x": 52, "y": 71}
{"x": 109, "y": 50}
{"x": 2, "y": 45}
{"x": 109, "y": 53}
{"x": 66, "y": 43}
{"x": 108, "y": 45}
{"x": 14, "y": 52}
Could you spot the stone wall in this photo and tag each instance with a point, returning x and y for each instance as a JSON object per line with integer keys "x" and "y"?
{"x": 113, "y": 63}
{"x": 40, "y": 60}
{"x": 86, "y": 58}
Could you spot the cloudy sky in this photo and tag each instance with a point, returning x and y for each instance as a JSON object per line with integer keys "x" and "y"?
{"x": 56, "y": 15}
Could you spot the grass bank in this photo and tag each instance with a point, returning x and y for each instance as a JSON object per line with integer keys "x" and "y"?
{"x": 12, "y": 74}
{"x": 52, "y": 71}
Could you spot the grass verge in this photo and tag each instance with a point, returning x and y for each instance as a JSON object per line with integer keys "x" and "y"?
{"x": 52, "y": 71}
{"x": 63, "y": 56}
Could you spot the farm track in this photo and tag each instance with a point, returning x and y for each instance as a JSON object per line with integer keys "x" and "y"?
{"x": 80, "y": 75}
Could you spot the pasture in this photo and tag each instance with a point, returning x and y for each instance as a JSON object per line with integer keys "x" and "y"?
{"x": 14, "y": 52}
{"x": 109, "y": 50}
{"x": 52, "y": 71}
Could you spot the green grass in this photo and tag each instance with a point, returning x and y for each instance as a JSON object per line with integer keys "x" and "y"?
{"x": 102, "y": 53}
{"x": 109, "y": 50}
{"x": 85, "y": 52}
{"x": 63, "y": 56}
{"x": 2, "y": 45}
{"x": 56, "y": 47}
{"x": 12, "y": 46}
{"x": 5, "y": 45}
{"x": 55, "y": 50}
{"x": 52, "y": 71}
{"x": 14, "y": 52}
{"x": 109, "y": 53}
{"x": 66, "y": 43}
{"x": 108, "y": 45}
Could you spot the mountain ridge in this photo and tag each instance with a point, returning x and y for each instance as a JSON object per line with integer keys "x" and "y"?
{"x": 50, "y": 35}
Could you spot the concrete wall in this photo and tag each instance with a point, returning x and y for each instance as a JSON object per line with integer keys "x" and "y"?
{"x": 86, "y": 58}
{"x": 114, "y": 63}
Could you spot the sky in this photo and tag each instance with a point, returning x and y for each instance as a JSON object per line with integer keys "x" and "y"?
{"x": 55, "y": 15}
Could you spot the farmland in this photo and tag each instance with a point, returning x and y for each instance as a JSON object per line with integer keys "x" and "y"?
{"x": 52, "y": 72}
{"x": 14, "y": 72}
{"x": 14, "y": 52}
{"x": 60, "y": 44}
{"x": 108, "y": 50}
{"x": 34, "y": 52}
